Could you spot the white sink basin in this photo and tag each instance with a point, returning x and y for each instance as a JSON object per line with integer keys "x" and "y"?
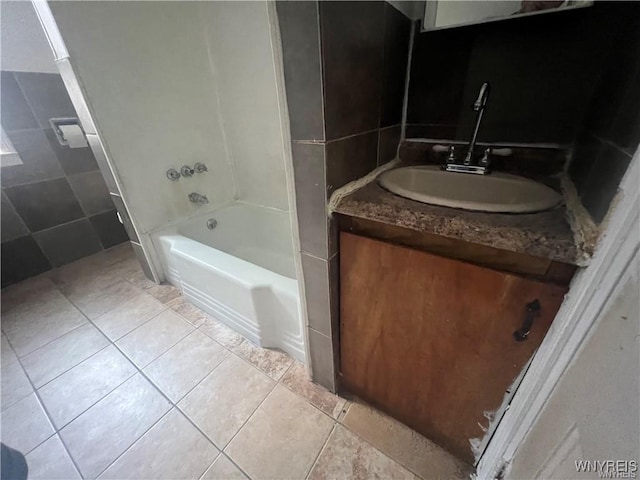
{"x": 496, "y": 192}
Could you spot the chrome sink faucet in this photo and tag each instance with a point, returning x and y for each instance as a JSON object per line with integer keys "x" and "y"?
{"x": 467, "y": 165}
{"x": 198, "y": 198}
{"x": 478, "y": 106}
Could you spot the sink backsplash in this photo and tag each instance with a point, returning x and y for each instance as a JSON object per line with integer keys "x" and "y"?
{"x": 528, "y": 161}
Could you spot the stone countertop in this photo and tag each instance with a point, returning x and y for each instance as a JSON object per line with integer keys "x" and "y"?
{"x": 544, "y": 234}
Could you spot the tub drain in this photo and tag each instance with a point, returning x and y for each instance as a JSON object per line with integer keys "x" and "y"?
{"x": 212, "y": 223}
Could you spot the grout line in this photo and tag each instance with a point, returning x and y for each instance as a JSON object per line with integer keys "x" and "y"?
{"x": 74, "y": 365}
{"x": 304, "y": 398}
{"x": 304, "y": 252}
{"x": 229, "y": 351}
{"x": 322, "y": 449}
{"x": 407, "y": 82}
{"x": 321, "y": 66}
{"x": 53, "y": 340}
{"x": 222, "y": 454}
{"x": 278, "y": 381}
{"x": 51, "y": 179}
{"x": 207, "y": 375}
{"x": 47, "y": 415}
{"x": 309, "y": 142}
{"x": 28, "y": 102}
{"x": 96, "y": 402}
{"x": 211, "y": 464}
{"x": 275, "y": 384}
{"x": 134, "y": 442}
{"x": 366, "y": 132}
{"x": 154, "y": 386}
{"x": 346, "y": 137}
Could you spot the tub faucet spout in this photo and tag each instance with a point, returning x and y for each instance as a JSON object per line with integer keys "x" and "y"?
{"x": 198, "y": 198}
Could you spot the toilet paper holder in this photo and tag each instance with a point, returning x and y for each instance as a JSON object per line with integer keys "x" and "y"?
{"x": 57, "y": 122}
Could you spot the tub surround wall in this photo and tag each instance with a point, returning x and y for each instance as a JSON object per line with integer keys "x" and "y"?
{"x": 193, "y": 98}
{"x": 56, "y": 206}
{"x": 162, "y": 112}
{"x": 242, "y": 56}
{"x": 344, "y": 66}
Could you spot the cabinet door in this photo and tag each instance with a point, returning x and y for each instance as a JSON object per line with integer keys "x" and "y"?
{"x": 430, "y": 340}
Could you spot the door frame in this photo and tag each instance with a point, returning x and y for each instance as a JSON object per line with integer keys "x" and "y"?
{"x": 590, "y": 290}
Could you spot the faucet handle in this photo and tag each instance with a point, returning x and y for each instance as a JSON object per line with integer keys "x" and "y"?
{"x": 485, "y": 160}
{"x": 200, "y": 167}
{"x": 451, "y": 158}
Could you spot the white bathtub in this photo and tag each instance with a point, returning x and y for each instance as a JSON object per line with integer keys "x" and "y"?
{"x": 242, "y": 272}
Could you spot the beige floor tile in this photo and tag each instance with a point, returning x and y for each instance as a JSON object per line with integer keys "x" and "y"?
{"x": 139, "y": 280}
{"x": 40, "y": 320}
{"x": 172, "y": 449}
{"x": 164, "y": 293}
{"x": 8, "y": 355}
{"x": 82, "y": 277}
{"x": 281, "y": 439}
{"x": 75, "y": 391}
{"x": 102, "y": 433}
{"x": 297, "y": 379}
{"x": 189, "y": 311}
{"x": 116, "y": 254}
{"x": 95, "y": 302}
{"x": 223, "y": 469}
{"x": 14, "y": 385}
{"x": 225, "y": 399}
{"x": 65, "y": 352}
{"x": 221, "y": 333}
{"x": 149, "y": 341}
{"x": 50, "y": 461}
{"x": 125, "y": 268}
{"x": 272, "y": 362}
{"x": 182, "y": 367}
{"x": 404, "y": 445}
{"x": 25, "y": 425}
{"x": 348, "y": 456}
{"x": 128, "y": 316}
{"x": 24, "y": 292}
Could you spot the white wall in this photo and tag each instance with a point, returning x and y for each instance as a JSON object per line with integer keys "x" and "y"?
{"x": 24, "y": 46}
{"x": 594, "y": 412}
{"x": 160, "y": 100}
{"x": 239, "y": 40}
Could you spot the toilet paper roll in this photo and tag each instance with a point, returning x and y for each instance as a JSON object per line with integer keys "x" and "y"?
{"x": 74, "y": 135}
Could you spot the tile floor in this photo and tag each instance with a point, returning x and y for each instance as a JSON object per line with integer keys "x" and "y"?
{"x": 107, "y": 375}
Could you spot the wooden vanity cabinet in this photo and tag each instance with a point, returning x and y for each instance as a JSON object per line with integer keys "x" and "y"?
{"x": 430, "y": 340}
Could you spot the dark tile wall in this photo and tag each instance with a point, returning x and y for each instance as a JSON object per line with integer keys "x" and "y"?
{"x": 543, "y": 71}
{"x": 56, "y": 207}
{"x": 345, "y": 67}
{"x": 611, "y": 130}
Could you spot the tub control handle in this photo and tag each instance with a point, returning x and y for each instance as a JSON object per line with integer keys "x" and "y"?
{"x": 532, "y": 311}
{"x": 173, "y": 174}
{"x": 187, "y": 171}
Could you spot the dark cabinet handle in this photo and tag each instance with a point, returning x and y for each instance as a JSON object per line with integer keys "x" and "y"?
{"x": 533, "y": 311}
